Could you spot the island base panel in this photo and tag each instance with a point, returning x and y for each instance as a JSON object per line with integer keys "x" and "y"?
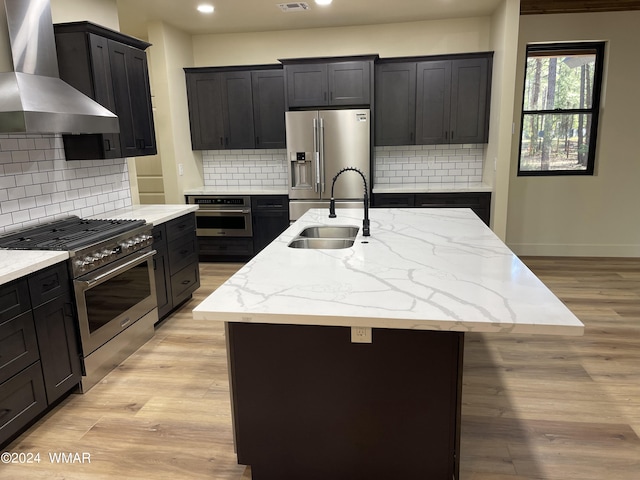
{"x": 310, "y": 404}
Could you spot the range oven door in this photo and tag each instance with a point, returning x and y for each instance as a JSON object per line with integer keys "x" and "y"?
{"x": 223, "y": 222}
{"x": 114, "y": 297}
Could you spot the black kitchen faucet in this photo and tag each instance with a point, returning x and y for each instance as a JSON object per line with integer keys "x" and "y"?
{"x": 332, "y": 203}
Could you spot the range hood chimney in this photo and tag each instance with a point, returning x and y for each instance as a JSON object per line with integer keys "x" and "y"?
{"x": 33, "y": 98}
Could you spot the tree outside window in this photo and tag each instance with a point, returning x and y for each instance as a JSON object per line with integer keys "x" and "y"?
{"x": 560, "y": 109}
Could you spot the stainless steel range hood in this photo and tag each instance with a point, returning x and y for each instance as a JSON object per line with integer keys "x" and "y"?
{"x": 33, "y": 98}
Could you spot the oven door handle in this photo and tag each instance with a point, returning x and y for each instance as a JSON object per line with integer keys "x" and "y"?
{"x": 116, "y": 271}
{"x": 210, "y": 210}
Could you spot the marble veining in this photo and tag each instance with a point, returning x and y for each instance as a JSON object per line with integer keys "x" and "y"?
{"x": 435, "y": 269}
{"x": 15, "y": 264}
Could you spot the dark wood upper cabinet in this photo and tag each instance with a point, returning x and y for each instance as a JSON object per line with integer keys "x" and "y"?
{"x": 112, "y": 69}
{"x": 236, "y": 108}
{"x": 452, "y": 99}
{"x": 322, "y": 82}
{"x": 133, "y": 99}
{"x": 307, "y": 85}
{"x": 469, "y": 120}
{"x": 395, "y": 103}
{"x": 433, "y": 100}
{"x": 349, "y": 83}
{"x": 220, "y": 110}
{"x": 205, "y": 111}
{"x": 433, "y": 97}
{"x": 268, "y": 108}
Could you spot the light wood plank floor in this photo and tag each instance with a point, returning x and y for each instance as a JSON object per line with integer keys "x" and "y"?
{"x": 534, "y": 407}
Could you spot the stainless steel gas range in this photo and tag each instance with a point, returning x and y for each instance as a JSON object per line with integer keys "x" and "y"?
{"x": 111, "y": 264}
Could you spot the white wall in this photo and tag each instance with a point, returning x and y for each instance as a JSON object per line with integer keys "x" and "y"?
{"x": 504, "y": 35}
{"x": 102, "y": 12}
{"x": 170, "y": 52}
{"x": 391, "y": 40}
{"x": 585, "y": 215}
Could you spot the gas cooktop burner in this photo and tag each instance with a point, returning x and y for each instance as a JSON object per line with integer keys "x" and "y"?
{"x": 67, "y": 234}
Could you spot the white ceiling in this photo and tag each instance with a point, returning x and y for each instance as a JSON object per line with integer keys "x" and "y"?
{"x": 263, "y": 15}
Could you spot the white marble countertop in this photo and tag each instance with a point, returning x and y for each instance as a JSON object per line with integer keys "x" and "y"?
{"x": 239, "y": 190}
{"x": 431, "y": 269}
{"x": 18, "y": 263}
{"x": 153, "y": 214}
{"x": 431, "y": 187}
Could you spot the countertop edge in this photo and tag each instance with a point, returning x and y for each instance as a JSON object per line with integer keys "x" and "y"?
{"x": 155, "y": 214}
{"x": 432, "y": 188}
{"x": 25, "y": 262}
{"x": 383, "y": 323}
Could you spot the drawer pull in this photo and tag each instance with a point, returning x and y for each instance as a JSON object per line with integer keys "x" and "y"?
{"x": 186, "y": 282}
{"x": 4, "y": 412}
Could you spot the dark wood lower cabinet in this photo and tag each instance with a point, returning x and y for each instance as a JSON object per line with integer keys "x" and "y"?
{"x": 39, "y": 351}
{"x": 59, "y": 354}
{"x": 479, "y": 202}
{"x": 175, "y": 263}
{"x": 310, "y": 404}
{"x": 22, "y": 399}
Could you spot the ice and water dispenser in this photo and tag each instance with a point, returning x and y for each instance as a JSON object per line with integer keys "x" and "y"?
{"x": 301, "y": 170}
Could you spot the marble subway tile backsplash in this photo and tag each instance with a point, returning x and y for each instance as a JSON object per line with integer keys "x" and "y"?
{"x": 38, "y": 185}
{"x": 245, "y": 168}
{"x": 432, "y": 164}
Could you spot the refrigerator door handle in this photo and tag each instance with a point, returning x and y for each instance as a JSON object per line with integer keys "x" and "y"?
{"x": 316, "y": 155}
{"x": 321, "y": 145}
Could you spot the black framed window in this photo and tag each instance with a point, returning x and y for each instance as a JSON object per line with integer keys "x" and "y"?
{"x": 560, "y": 109}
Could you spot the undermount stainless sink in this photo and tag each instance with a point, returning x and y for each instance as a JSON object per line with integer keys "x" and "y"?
{"x": 325, "y": 237}
{"x": 321, "y": 243}
{"x": 329, "y": 232}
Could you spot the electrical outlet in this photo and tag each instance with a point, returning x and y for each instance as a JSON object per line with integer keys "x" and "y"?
{"x": 361, "y": 335}
{"x": 180, "y": 169}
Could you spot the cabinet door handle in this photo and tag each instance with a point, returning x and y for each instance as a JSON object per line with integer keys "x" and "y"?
{"x": 186, "y": 282}
{"x": 257, "y": 140}
{"x": 451, "y": 134}
{"x": 446, "y": 135}
{"x": 107, "y": 145}
{"x": 221, "y": 142}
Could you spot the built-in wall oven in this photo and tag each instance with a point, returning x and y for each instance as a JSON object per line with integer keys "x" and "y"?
{"x": 111, "y": 264}
{"x": 222, "y": 216}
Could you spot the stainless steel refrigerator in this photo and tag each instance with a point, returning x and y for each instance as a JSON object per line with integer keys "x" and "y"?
{"x": 319, "y": 144}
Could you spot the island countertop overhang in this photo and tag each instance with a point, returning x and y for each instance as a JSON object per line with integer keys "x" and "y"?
{"x": 421, "y": 269}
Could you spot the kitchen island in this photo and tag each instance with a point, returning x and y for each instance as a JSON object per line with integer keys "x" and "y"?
{"x": 313, "y": 399}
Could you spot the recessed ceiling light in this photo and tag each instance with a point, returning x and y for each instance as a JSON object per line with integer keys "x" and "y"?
{"x": 324, "y": 2}
{"x": 205, "y": 8}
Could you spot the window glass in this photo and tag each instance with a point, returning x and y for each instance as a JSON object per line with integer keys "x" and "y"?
{"x": 560, "y": 109}
{"x": 560, "y": 142}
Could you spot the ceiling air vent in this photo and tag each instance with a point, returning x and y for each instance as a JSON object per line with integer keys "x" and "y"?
{"x": 294, "y": 7}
